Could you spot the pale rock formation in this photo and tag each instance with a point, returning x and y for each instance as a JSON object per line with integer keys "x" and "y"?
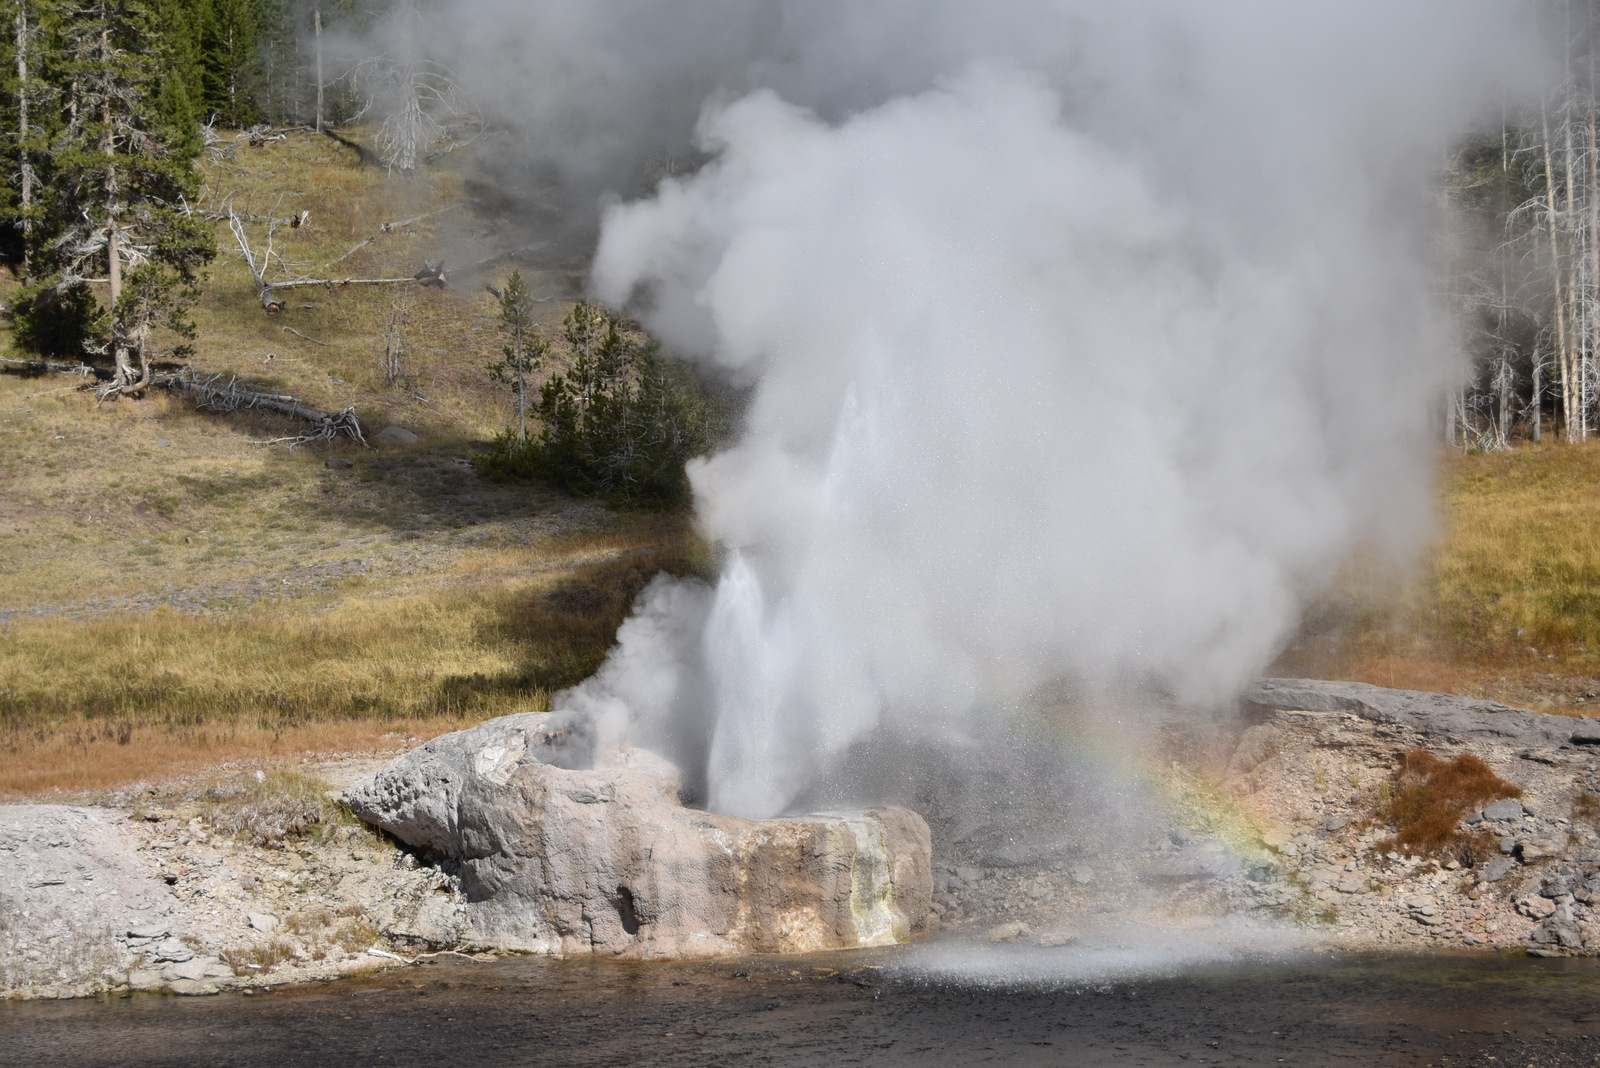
{"x": 565, "y": 845}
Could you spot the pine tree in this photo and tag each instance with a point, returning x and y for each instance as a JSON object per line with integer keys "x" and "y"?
{"x": 231, "y": 60}
{"x": 122, "y": 168}
{"x": 24, "y": 116}
{"x": 524, "y": 351}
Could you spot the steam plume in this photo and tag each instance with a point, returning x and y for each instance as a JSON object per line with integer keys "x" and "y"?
{"x": 1085, "y": 341}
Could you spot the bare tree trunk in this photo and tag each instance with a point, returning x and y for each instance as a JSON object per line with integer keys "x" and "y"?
{"x": 1504, "y": 372}
{"x": 1538, "y": 396}
{"x": 316, "y": 21}
{"x": 1563, "y": 355}
{"x": 269, "y": 299}
{"x": 1592, "y": 292}
{"x": 522, "y": 389}
{"x": 1575, "y": 291}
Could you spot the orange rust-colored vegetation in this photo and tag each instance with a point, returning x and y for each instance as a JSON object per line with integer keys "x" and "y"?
{"x": 1432, "y": 795}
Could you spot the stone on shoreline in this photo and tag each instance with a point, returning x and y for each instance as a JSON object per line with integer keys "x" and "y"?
{"x": 564, "y": 847}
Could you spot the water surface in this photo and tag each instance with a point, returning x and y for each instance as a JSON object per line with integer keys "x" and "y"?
{"x": 890, "y": 1007}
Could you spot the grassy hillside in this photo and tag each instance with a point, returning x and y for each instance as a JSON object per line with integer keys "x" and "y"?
{"x": 173, "y": 594}
{"x": 1507, "y": 606}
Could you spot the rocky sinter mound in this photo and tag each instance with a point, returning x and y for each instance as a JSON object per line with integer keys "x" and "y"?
{"x": 105, "y": 898}
{"x": 558, "y": 846}
{"x": 1276, "y": 820}
{"x": 1270, "y": 819}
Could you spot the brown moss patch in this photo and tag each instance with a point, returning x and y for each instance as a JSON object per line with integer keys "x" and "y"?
{"x": 1431, "y": 796}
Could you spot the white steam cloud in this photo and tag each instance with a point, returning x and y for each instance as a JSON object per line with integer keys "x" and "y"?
{"x": 1085, "y": 341}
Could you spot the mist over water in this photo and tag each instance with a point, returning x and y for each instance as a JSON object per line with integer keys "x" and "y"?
{"x": 1084, "y": 341}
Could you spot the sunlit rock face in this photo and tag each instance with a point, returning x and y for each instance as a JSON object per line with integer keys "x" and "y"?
{"x": 565, "y": 845}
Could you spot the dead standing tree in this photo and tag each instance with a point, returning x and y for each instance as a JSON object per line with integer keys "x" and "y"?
{"x": 422, "y": 105}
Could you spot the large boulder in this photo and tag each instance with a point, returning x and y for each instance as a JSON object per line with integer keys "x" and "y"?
{"x": 567, "y": 846}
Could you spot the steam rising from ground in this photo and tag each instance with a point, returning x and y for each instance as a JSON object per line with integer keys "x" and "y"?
{"x": 1085, "y": 341}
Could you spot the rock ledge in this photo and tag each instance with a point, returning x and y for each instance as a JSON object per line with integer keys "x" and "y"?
{"x": 561, "y": 848}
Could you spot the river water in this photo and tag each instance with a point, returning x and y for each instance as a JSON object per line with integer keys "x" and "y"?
{"x": 938, "y": 1004}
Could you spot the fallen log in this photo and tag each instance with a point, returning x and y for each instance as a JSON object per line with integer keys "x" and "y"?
{"x": 294, "y": 222}
{"x": 389, "y": 228}
{"x": 41, "y": 367}
{"x": 269, "y": 300}
{"x": 229, "y": 396}
{"x": 334, "y": 282}
{"x": 215, "y": 394}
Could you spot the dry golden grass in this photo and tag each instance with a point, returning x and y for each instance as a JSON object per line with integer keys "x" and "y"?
{"x": 1508, "y": 604}
{"x": 452, "y": 334}
{"x": 173, "y": 595}
{"x": 97, "y": 703}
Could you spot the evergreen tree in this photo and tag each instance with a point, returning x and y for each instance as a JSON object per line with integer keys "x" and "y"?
{"x": 524, "y": 351}
{"x": 24, "y": 117}
{"x": 121, "y": 159}
{"x": 231, "y": 60}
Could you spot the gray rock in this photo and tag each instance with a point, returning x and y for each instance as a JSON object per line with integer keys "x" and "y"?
{"x": 148, "y": 930}
{"x": 194, "y": 968}
{"x": 1503, "y": 810}
{"x": 395, "y": 435}
{"x": 1533, "y": 850}
{"x": 1497, "y": 868}
{"x": 1006, "y": 932}
{"x": 1353, "y": 883}
{"x": 145, "y": 979}
{"x": 565, "y": 845}
{"x": 1431, "y": 713}
{"x": 84, "y": 885}
{"x": 263, "y": 922}
{"x": 339, "y": 463}
{"x": 194, "y": 988}
{"x": 1536, "y": 908}
{"x": 172, "y": 951}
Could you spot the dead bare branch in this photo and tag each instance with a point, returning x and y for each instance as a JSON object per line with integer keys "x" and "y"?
{"x": 389, "y": 228}
{"x": 298, "y": 334}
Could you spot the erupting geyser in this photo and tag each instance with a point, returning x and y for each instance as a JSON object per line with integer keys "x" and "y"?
{"x": 1083, "y": 363}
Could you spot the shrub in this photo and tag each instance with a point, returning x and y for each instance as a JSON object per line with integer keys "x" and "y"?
{"x": 1430, "y": 797}
{"x": 273, "y": 806}
{"x": 65, "y": 321}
